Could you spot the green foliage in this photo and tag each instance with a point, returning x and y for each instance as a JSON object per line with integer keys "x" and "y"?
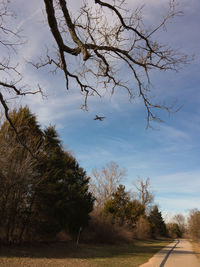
{"x": 39, "y": 197}
{"x": 122, "y": 208}
{"x": 158, "y": 227}
{"x": 63, "y": 200}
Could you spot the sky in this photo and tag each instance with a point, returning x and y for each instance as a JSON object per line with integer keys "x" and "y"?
{"x": 169, "y": 154}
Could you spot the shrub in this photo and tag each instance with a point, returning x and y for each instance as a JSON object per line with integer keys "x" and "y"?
{"x": 142, "y": 229}
{"x": 102, "y": 229}
{"x": 173, "y": 230}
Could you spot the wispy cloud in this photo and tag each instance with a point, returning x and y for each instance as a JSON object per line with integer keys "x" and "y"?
{"x": 179, "y": 182}
{"x": 172, "y": 133}
{"x": 168, "y": 156}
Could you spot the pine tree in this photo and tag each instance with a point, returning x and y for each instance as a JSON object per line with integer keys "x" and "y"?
{"x": 122, "y": 208}
{"x": 39, "y": 196}
{"x": 63, "y": 200}
{"x": 158, "y": 226}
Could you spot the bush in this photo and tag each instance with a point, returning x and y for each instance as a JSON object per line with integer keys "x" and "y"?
{"x": 173, "y": 230}
{"x": 102, "y": 229}
{"x": 142, "y": 229}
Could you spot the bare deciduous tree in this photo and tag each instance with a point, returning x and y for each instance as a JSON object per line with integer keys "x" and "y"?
{"x": 145, "y": 194}
{"x": 105, "y": 182}
{"x": 193, "y": 224}
{"x": 180, "y": 220}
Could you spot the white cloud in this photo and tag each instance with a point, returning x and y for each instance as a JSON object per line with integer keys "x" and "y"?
{"x": 54, "y": 108}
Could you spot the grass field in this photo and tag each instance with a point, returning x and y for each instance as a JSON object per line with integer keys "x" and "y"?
{"x": 62, "y": 254}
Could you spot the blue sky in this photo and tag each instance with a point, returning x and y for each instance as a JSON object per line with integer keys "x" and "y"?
{"x": 169, "y": 154}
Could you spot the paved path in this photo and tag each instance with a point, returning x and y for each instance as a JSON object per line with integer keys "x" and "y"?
{"x": 176, "y": 254}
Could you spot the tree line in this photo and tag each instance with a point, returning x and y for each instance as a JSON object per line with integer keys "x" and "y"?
{"x": 132, "y": 212}
{"x": 43, "y": 195}
{"x": 50, "y": 193}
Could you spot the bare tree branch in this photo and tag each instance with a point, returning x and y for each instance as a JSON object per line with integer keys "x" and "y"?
{"x": 6, "y": 109}
{"x": 92, "y": 51}
{"x": 104, "y": 182}
{"x": 10, "y": 81}
{"x": 103, "y": 46}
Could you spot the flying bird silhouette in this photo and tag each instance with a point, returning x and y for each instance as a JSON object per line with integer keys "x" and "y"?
{"x": 99, "y": 118}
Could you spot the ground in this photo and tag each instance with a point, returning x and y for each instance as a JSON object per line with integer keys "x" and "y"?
{"x": 86, "y": 255}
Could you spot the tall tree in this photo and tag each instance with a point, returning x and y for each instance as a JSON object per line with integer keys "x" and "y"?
{"x": 39, "y": 196}
{"x": 62, "y": 197}
{"x": 104, "y": 182}
{"x": 179, "y": 219}
{"x": 144, "y": 192}
{"x": 158, "y": 226}
{"x": 18, "y": 172}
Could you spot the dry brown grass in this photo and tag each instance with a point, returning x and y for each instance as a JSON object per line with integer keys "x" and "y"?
{"x": 68, "y": 255}
{"x": 196, "y": 248}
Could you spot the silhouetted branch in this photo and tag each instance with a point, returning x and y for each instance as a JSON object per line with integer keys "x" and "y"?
{"x": 102, "y": 44}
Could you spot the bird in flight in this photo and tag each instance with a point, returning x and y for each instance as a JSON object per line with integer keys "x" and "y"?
{"x": 99, "y": 118}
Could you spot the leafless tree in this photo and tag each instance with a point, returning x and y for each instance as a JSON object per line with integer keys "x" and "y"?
{"x": 180, "y": 220}
{"x": 144, "y": 192}
{"x": 93, "y": 49}
{"x": 193, "y": 224}
{"x": 104, "y": 182}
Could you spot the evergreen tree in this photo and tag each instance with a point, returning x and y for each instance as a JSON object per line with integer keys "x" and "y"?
{"x": 39, "y": 196}
{"x": 158, "y": 226}
{"x": 63, "y": 200}
{"x": 122, "y": 208}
